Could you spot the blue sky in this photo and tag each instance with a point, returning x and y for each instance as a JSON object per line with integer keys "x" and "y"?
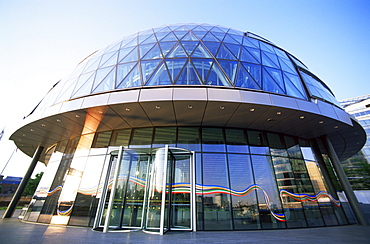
{"x": 42, "y": 41}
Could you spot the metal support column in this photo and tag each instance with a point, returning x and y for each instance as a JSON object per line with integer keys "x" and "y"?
{"x": 18, "y": 194}
{"x": 357, "y": 210}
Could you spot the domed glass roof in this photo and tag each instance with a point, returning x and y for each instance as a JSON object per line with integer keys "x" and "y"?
{"x": 190, "y": 54}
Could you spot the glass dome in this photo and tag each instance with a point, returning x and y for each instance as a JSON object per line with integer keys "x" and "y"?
{"x": 191, "y": 54}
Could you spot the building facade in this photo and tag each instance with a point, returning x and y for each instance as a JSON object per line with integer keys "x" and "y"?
{"x": 189, "y": 127}
{"x": 356, "y": 166}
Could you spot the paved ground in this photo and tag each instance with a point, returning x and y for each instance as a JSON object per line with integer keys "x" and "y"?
{"x": 14, "y": 231}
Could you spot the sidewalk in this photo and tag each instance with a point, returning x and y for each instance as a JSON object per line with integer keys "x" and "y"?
{"x": 18, "y": 232}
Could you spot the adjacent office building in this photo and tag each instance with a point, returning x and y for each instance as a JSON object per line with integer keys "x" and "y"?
{"x": 190, "y": 127}
{"x": 359, "y": 107}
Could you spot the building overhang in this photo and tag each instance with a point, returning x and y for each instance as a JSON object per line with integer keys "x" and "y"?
{"x": 190, "y": 106}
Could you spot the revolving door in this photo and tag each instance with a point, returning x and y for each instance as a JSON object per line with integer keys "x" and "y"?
{"x": 153, "y": 191}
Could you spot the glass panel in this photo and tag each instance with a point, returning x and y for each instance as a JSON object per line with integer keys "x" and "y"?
{"x": 210, "y": 38}
{"x": 236, "y": 141}
{"x": 229, "y": 39}
{"x": 254, "y": 71}
{"x": 132, "y": 79}
{"x": 250, "y": 42}
{"x": 141, "y": 138}
{"x": 277, "y": 147}
{"x": 189, "y": 37}
{"x": 288, "y": 193}
{"x": 108, "y": 83}
{"x": 230, "y": 68}
{"x": 175, "y": 66}
{"x": 87, "y": 198}
{"x": 246, "y": 56}
{"x": 270, "y": 208}
{"x": 132, "y": 56}
{"x": 245, "y": 80}
{"x": 292, "y": 147}
{"x": 188, "y": 138}
{"x": 150, "y": 39}
{"x": 212, "y": 47}
{"x": 224, "y": 53}
{"x": 200, "y": 34}
{"x": 164, "y": 136}
{"x": 202, "y": 66}
{"x": 188, "y": 76}
{"x": 213, "y": 140}
{"x": 189, "y": 46}
{"x": 108, "y": 60}
{"x": 266, "y": 47}
{"x": 155, "y": 53}
{"x": 177, "y": 51}
{"x": 269, "y": 83}
{"x": 216, "y": 193}
{"x": 122, "y": 71}
{"x": 238, "y": 37}
{"x": 287, "y": 65}
{"x": 201, "y": 52}
{"x": 244, "y": 199}
{"x": 180, "y": 191}
{"x": 270, "y": 60}
{"x": 120, "y": 137}
{"x": 291, "y": 89}
{"x": 147, "y": 68}
{"x": 234, "y": 49}
{"x": 166, "y": 47}
{"x": 123, "y": 53}
{"x": 258, "y": 142}
{"x": 216, "y": 77}
{"x": 169, "y": 37}
{"x": 322, "y": 196}
{"x": 220, "y": 36}
{"x": 160, "y": 77}
{"x": 143, "y": 49}
{"x": 304, "y": 187}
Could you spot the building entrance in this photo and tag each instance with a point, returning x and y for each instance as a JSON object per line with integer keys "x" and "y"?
{"x": 152, "y": 191}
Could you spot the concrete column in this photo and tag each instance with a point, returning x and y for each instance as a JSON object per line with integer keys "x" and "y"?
{"x": 357, "y": 210}
{"x": 17, "y": 196}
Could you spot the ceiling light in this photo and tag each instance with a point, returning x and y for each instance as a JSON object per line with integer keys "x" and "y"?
{"x": 252, "y": 109}
{"x": 100, "y": 112}
{"x": 128, "y": 109}
{"x": 190, "y": 106}
{"x": 32, "y": 130}
{"x": 269, "y": 119}
{"x": 77, "y": 116}
{"x": 336, "y": 127}
{"x": 58, "y": 120}
{"x": 43, "y": 125}
{"x": 278, "y": 113}
{"x": 222, "y": 107}
{"x": 301, "y": 117}
{"x": 24, "y": 135}
{"x": 321, "y": 122}
{"x": 157, "y": 107}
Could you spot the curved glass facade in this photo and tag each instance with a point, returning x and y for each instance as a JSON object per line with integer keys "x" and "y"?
{"x": 191, "y": 54}
{"x": 244, "y": 179}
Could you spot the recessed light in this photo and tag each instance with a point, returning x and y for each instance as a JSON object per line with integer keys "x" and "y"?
{"x": 321, "y": 122}
{"x": 269, "y": 119}
{"x": 128, "y": 109}
{"x": 190, "y": 106}
{"x": 77, "y": 116}
{"x": 222, "y": 107}
{"x": 32, "y": 130}
{"x": 251, "y": 109}
{"x": 278, "y": 113}
{"x": 58, "y": 120}
{"x": 301, "y": 117}
{"x": 336, "y": 127}
{"x": 24, "y": 135}
{"x": 43, "y": 125}
{"x": 100, "y": 112}
{"x": 158, "y": 107}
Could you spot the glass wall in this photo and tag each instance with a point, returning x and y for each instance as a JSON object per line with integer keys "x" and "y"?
{"x": 245, "y": 179}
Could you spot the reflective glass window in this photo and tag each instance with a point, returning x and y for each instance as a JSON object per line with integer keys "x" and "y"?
{"x": 189, "y": 138}
{"x": 216, "y": 205}
{"x": 258, "y": 142}
{"x": 213, "y": 140}
{"x": 236, "y": 141}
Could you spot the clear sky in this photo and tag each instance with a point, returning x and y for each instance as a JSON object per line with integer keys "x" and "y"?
{"x": 42, "y": 41}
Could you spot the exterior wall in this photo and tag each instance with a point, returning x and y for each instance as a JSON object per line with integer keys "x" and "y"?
{"x": 267, "y": 180}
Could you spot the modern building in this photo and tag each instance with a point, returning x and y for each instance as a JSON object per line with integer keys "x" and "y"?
{"x": 190, "y": 127}
{"x": 359, "y": 107}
